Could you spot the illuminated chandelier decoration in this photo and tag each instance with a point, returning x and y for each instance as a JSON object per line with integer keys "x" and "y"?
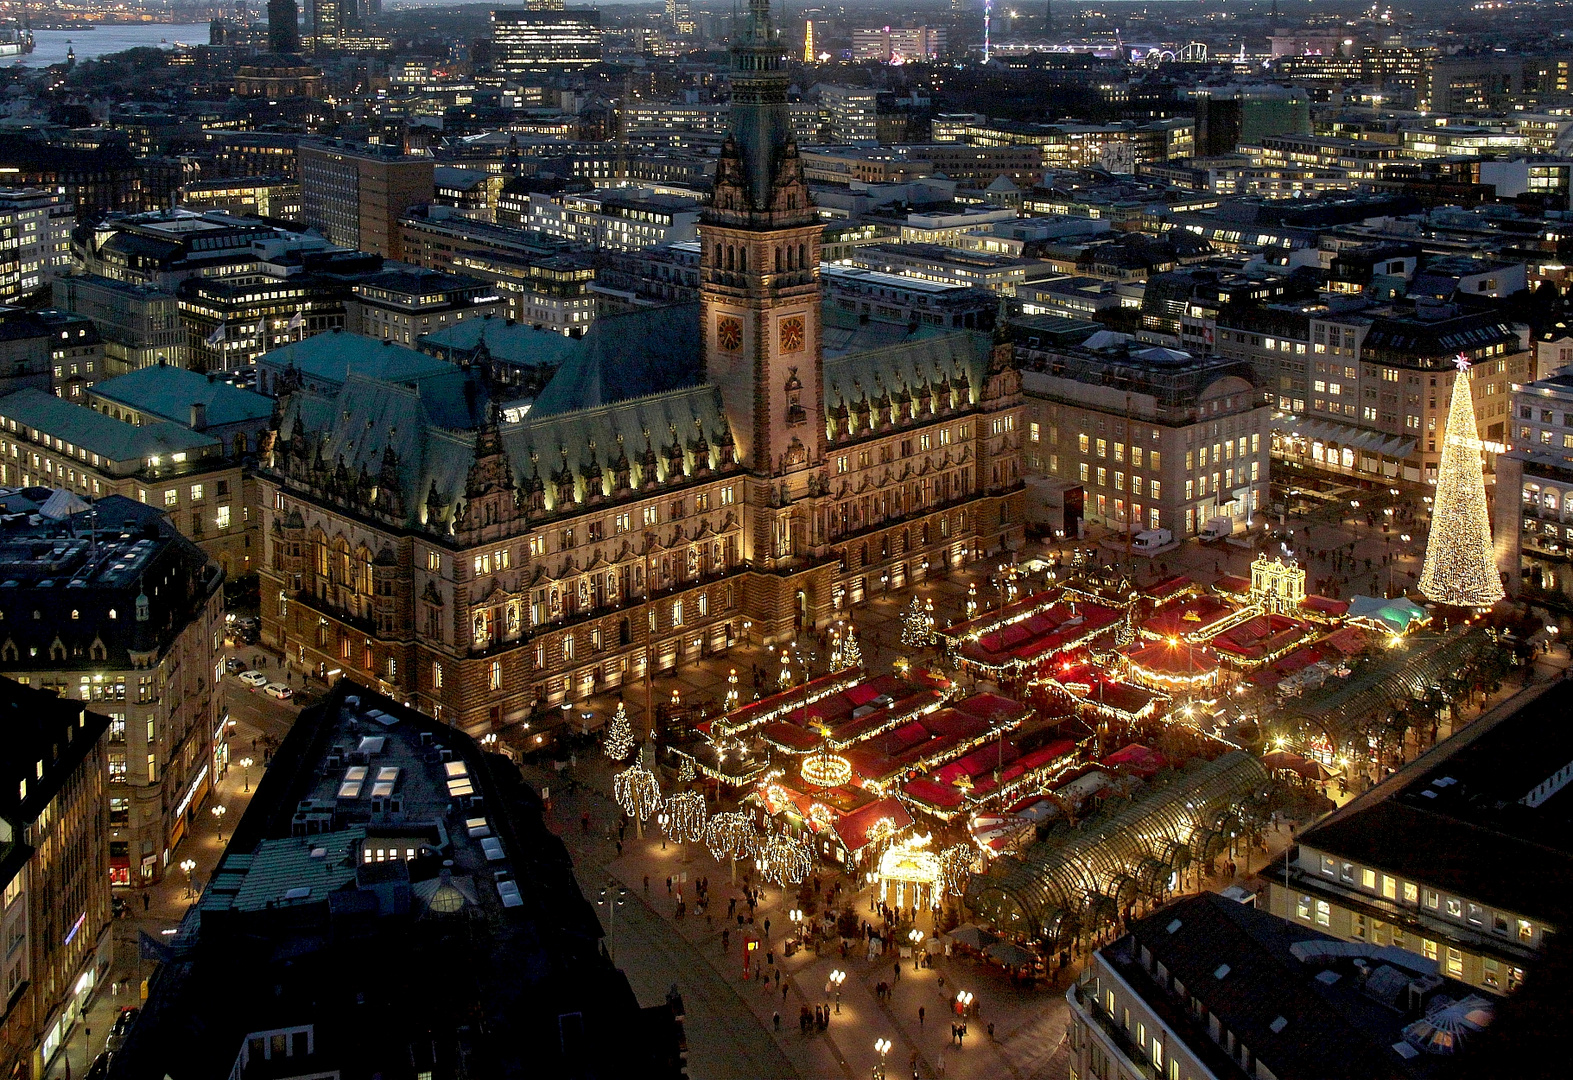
{"x": 785, "y": 860}
{"x": 1460, "y": 569}
{"x": 685, "y": 816}
{"x": 619, "y": 735}
{"x": 638, "y": 792}
{"x": 824, "y": 769}
{"x": 956, "y": 864}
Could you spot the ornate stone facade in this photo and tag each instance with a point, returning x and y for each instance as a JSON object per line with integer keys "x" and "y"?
{"x": 690, "y": 475}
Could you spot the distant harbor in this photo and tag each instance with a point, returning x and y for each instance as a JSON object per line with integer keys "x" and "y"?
{"x": 89, "y": 42}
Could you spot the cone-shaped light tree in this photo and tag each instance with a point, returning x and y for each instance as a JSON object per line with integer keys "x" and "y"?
{"x": 1459, "y": 568}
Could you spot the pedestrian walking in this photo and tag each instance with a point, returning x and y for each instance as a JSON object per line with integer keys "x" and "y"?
{"x": 778, "y": 1021}
{"x": 920, "y": 1016}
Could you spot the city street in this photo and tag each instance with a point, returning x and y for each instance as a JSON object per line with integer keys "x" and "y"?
{"x": 158, "y": 910}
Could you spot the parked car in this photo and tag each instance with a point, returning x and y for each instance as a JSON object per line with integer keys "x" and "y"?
{"x": 234, "y": 665}
{"x": 117, "y": 1034}
{"x": 100, "y": 1067}
{"x": 279, "y": 690}
{"x": 253, "y": 678}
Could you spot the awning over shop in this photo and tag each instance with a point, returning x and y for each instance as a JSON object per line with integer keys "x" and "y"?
{"x": 1325, "y": 431}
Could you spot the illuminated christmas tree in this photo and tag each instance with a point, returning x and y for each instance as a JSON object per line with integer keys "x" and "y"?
{"x": 1459, "y": 569}
{"x": 619, "y": 735}
{"x": 851, "y": 653}
{"x": 917, "y": 626}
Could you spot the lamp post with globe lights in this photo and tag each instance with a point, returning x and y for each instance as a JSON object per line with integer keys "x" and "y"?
{"x": 883, "y": 1046}
{"x": 218, "y": 816}
{"x": 245, "y": 771}
{"x": 189, "y": 866}
{"x": 837, "y": 977}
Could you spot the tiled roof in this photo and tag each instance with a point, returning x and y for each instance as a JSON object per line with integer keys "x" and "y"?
{"x": 168, "y": 391}
{"x": 98, "y": 433}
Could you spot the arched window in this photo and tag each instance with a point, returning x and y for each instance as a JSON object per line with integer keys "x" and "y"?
{"x": 718, "y": 256}
{"x": 742, "y": 260}
{"x": 731, "y": 257}
{"x": 778, "y": 260}
{"x": 802, "y": 260}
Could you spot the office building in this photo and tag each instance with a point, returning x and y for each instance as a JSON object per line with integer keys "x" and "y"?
{"x": 1532, "y": 519}
{"x": 545, "y": 39}
{"x": 94, "y": 450}
{"x": 1157, "y": 438}
{"x": 100, "y": 179}
{"x": 355, "y": 194}
{"x": 849, "y": 113}
{"x": 138, "y": 324}
{"x": 899, "y": 44}
{"x": 354, "y": 903}
{"x": 283, "y": 26}
{"x": 1229, "y": 116}
{"x": 1461, "y": 856}
{"x": 58, "y": 352}
{"x": 614, "y": 219}
{"x": 53, "y": 850}
{"x": 35, "y": 241}
{"x": 131, "y": 619}
{"x": 1209, "y": 987}
{"x": 402, "y": 304}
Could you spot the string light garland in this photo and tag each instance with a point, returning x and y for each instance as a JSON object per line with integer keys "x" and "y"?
{"x": 638, "y": 792}
{"x": 1459, "y": 569}
{"x": 785, "y": 860}
{"x": 685, "y": 816}
{"x": 619, "y": 735}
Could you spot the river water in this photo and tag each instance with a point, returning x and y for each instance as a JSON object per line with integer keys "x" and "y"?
{"x": 51, "y": 45}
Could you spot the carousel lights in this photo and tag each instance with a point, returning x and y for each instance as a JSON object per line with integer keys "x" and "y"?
{"x": 826, "y": 770}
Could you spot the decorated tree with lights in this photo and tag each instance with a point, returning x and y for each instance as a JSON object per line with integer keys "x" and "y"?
{"x": 684, "y": 815}
{"x": 685, "y": 772}
{"x": 955, "y": 864}
{"x": 731, "y": 836}
{"x": 851, "y": 652}
{"x": 638, "y": 792}
{"x": 619, "y": 735}
{"x": 917, "y": 626}
{"x": 785, "y": 860}
{"x": 1459, "y": 569}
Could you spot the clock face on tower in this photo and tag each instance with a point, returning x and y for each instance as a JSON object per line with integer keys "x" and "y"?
{"x": 729, "y": 334}
{"x": 792, "y": 334}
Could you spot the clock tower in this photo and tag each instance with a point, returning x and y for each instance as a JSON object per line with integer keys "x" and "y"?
{"x": 759, "y": 273}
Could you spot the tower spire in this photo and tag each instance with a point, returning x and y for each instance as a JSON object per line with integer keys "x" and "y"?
{"x": 760, "y": 124}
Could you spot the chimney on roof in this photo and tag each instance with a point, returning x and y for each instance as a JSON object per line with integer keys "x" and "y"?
{"x": 199, "y": 416}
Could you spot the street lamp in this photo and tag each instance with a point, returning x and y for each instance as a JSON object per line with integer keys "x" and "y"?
{"x": 796, "y": 917}
{"x": 837, "y": 977}
{"x": 611, "y": 904}
{"x": 188, "y": 865}
{"x": 964, "y": 999}
{"x": 245, "y": 771}
{"x": 218, "y": 816}
{"x": 916, "y": 937}
{"x": 883, "y": 1046}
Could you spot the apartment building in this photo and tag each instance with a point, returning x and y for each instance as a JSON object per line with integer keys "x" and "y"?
{"x": 1460, "y": 856}
{"x": 1157, "y": 438}
{"x": 54, "y": 893}
{"x": 1211, "y": 989}
{"x": 111, "y": 606}
{"x": 35, "y": 240}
